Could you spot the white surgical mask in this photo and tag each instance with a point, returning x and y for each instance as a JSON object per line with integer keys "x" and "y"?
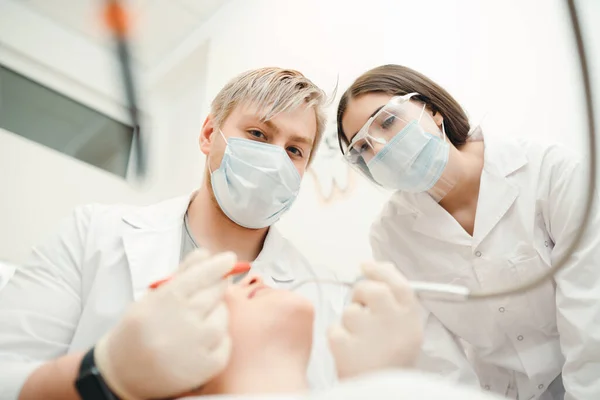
{"x": 413, "y": 161}
{"x": 256, "y": 183}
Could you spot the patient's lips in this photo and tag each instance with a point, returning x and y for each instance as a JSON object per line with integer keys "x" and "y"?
{"x": 256, "y": 289}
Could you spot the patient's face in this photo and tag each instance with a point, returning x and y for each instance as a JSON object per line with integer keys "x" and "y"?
{"x": 267, "y": 326}
{"x": 259, "y": 314}
{"x": 271, "y": 329}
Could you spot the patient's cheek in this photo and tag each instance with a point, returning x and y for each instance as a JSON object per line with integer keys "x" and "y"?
{"x": 270, "y": 314}
{"x": 303, "y": 313}
{"x": 284, "y": 311}
{"x": 296, "y": 303}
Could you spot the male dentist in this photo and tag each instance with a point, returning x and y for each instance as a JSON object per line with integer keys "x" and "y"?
{"x": 259, "y": 138}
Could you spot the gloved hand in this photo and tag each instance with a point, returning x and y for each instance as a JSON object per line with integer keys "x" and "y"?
{"x": 381, "y": 327}
{"x": 175, "y": 338}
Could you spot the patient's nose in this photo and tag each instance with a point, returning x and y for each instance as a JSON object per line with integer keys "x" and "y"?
{"x": 252, "y": 280}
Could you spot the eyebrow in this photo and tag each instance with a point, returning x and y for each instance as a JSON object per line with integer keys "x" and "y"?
{"x": 271, "y": 125}
{"x": 302, "y": 139}
{"x": 294, "y": 137}
{"x": 370, "y": 116}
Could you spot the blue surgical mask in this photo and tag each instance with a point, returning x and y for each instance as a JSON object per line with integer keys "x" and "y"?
{"x": 256, "y": 183}
{"x": 412, "y": 161}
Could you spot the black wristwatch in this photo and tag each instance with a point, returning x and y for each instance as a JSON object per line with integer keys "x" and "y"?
{"x": 89, "y": 383}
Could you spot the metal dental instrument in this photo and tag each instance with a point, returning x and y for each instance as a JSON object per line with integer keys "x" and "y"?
{"x": 423, "y": 290}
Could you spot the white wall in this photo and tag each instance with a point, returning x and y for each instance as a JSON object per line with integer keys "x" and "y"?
{"x": 512, "y": 60}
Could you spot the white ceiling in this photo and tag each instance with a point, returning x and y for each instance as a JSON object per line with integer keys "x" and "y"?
{"x": 158, "y": 26}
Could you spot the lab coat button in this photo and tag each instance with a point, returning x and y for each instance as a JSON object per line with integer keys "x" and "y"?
{"x": 501, "y": 309}
{"x": 520, "y": 337}
{"x": 478, "y": 253}
{"x": 487, "y": 387}
{"x": 546, "y": 243}
{"x": 540, "y": 386}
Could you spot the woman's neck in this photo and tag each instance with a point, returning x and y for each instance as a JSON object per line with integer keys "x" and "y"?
{"x": 469, "y": 166}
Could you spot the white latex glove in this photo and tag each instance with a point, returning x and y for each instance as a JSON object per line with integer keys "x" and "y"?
{"x": 381, "y": 327}
{"x": 175, "y": 338}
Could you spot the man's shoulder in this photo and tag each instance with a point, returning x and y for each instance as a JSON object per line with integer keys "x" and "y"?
{"x": 103, "y": 210}
{"x": 102, "y": 214}
{"x": 99, "y": 216}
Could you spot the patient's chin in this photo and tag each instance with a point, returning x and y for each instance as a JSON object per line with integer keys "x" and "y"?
{"x": 296, "y": 307}
{"x": 296, "y": 317}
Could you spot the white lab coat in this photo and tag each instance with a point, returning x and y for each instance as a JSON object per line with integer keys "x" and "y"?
{"x": 6, "y": 272}
{"x": 79, "y": 282}
{"x": 530, "y": 205}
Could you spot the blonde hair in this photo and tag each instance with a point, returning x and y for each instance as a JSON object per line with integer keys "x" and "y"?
{"x": 273, "y": 91}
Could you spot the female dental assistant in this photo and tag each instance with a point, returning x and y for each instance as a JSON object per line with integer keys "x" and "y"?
{"x": 487, "y": 213}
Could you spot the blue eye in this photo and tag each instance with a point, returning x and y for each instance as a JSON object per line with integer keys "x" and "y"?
{"x": 361, "y": 146}
{"x": 295, "y": 151}
{"x": 388, "y": 122}
{"x": 257, "y": 134}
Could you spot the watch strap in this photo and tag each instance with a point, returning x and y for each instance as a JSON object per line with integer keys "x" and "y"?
{"x": 90, "y": 384}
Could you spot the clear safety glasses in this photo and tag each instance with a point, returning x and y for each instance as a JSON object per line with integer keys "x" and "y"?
{"x": 382, "y": 127}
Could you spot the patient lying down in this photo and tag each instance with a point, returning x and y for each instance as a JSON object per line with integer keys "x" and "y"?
{"x": 271, "y": 351}
{"x": 273, "y": 344}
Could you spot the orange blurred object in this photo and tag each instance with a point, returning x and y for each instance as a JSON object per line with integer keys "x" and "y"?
{"x": 116, "y": 18}
{"x": 240, "y": 268}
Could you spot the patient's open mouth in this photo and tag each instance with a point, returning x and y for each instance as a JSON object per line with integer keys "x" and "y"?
{"x": 255, "y": 290}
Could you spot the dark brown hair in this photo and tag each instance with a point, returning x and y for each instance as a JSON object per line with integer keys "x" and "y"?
{"x": 397, "y": 80}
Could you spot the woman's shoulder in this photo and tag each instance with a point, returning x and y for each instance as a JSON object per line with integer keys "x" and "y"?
{"x": 538, "y": 152}
{"x": 544, "y": 166}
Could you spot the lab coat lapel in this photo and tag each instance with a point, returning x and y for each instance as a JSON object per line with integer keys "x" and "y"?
{"x": 496, "y": 192}
{"x": 271, "y": 262}
{"x": 432, "y": 220}
{"x": 152, "y": 242}
{"x": 496, "y": 196}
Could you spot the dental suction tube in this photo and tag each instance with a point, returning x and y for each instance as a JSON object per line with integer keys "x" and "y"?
{"x": 591, "y": 192}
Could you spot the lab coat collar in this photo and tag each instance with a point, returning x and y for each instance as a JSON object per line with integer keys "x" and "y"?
{"x": 152, "y": 241}
{"x": 502, "y": 157}
{"x": 161, "y": 216}
{"x": 496, "y": 195}
{"x": 273, "y": 259}
{"x": 497, "y": 192}
{"x": 433, "y": 221}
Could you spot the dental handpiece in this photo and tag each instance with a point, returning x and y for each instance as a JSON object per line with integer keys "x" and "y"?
{"x": 238, "y": 269}
{"x": 423, "y": 290}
